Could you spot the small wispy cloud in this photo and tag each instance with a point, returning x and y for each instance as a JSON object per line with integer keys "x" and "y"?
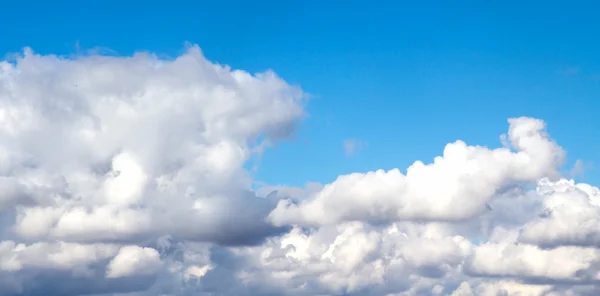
{"x": 569, "y": 71}
{"x": 352, "y": 146}
{"x": 579, "y": 168}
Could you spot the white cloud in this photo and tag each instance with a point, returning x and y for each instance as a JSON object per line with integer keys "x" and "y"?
{"x": 125, "y": 176}
{"x": 134, "y": 260}
{"x": 570, "y": 216}
{"x": 528, "y": 261}
{"x": 60, "y": 255}
{"x": 456, "y": 186}
{"x": 124, "y": 147}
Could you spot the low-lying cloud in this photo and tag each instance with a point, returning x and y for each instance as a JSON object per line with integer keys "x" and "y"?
{"x": 127, "y": 175}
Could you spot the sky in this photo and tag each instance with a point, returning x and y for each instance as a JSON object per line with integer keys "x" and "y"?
{"x": 404, "y": 77}
{"x": 388, "y": 139}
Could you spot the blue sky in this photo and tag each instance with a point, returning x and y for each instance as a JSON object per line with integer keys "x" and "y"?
{"x": 404, "y": 77}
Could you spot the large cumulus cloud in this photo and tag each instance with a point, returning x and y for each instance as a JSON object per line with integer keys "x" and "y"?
{"x": 126, "y": 176}
{"x": 465, "y": 178}
{"x": 111, "y": 148}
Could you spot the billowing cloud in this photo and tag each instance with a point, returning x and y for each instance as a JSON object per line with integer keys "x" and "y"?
{"x": 570, "y": 216}
{"x": 465, "y": 178}
{"x": 127, "y": 148}
{"x": 133, "y": 260}
{"x": 126, "y": 176}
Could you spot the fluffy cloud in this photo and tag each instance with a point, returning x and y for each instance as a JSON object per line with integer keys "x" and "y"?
{"x": 126, "y": 176}
{"x": 570, "y": 216}
{"x": 133, "y": 260}
{"x": 125, "y": 149}
{"x": 465, "y": 178}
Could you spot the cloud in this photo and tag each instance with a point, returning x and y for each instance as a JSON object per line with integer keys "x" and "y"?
{"x": 465, "y": 178}
{"x": 133, "y": 260}
{"x": 126, "y": 148}
{"x": 569, "y": 71}
{"x": 571, "y": 216}
{"x": 579, "y": 168}
{"x": 126, "y": 175}
{"x": 352, "y": 146}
